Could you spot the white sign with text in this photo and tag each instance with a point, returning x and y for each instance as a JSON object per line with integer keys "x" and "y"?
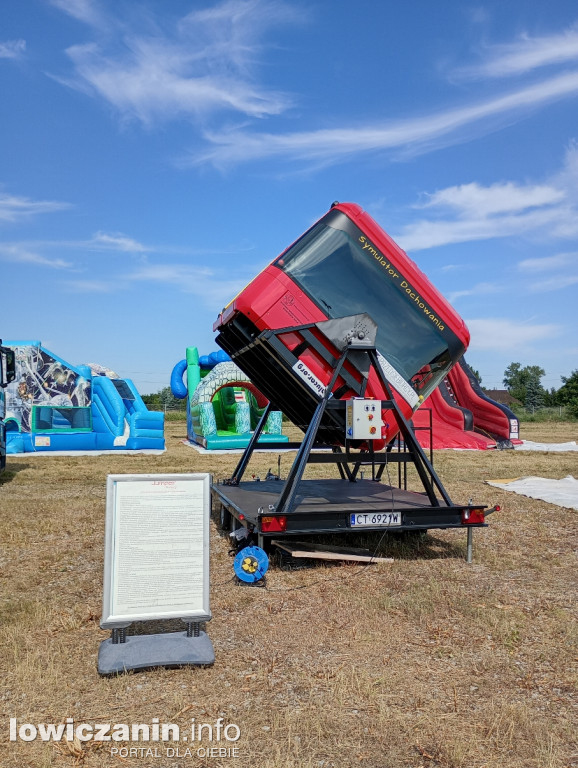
{"x": 156, "y": 563}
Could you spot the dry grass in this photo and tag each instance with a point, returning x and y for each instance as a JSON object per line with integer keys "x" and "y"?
{"x": 425, "y": 662}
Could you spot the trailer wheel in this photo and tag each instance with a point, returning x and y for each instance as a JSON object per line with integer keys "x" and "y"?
{"x": 225, "y": 518}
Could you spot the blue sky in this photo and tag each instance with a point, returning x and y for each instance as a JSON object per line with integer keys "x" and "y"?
{"x": 154, "y": 156}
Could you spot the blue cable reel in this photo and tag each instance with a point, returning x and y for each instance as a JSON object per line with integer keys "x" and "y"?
{"x": 251, "y": 564}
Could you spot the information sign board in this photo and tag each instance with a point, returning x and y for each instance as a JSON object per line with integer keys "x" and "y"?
{"x": 156, "y": 563}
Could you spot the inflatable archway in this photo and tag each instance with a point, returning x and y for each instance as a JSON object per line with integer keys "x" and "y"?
{"x": 226, "y": 375}
{"x": 223, "y": 405}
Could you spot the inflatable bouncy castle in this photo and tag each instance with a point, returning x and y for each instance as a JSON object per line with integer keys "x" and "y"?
{"x": 223, "y": 405}
{"x": 54, "y": 406}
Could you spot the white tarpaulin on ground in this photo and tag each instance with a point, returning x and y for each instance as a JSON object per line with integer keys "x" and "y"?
{"x": 562, "y": 492}
{"x": 528, "y": 445}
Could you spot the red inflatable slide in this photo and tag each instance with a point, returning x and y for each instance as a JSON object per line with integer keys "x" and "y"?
{"x": 464, "y": 417}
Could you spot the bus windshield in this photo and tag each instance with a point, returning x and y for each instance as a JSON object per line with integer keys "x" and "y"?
{"x": 345, "y": 274}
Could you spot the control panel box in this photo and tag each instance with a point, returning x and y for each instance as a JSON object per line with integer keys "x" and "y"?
{"x": 363, "y": 419}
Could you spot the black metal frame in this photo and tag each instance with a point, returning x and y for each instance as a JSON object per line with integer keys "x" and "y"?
{"x": 359, "y": 351}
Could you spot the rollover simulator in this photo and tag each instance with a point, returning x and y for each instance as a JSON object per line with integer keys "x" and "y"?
{"x": 345, "y": 335}
{"x": 344, "y": 265}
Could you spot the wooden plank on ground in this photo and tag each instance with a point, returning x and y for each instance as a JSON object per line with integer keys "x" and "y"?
{"x": 328, "y": 552}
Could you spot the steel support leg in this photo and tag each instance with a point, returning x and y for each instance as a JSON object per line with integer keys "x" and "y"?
{"x": 245, "y": 458}
{"x": 470, "y": 551}
{"x": 287, "y": 498}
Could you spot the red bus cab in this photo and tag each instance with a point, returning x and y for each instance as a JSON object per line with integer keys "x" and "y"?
{"x": 344, "y": 265}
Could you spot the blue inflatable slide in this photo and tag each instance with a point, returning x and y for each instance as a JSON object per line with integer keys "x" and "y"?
{"x": 55, "y": 406}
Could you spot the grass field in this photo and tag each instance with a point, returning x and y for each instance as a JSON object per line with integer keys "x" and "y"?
{"x": 425, "y": 662}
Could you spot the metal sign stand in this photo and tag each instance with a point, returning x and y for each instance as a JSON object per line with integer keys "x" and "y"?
{"x": 156, "y": 568}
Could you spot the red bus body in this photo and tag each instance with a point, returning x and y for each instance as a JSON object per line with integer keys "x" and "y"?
{"x": 344, "y": 265}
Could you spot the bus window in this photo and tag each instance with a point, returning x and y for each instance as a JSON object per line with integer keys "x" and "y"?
{"x": 332, "y": 266}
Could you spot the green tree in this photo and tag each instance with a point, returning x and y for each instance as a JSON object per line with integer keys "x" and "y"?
{"x": 167, "y": 399}
{"x": 569, "y": 389}
{"x": 518, "y": 379}
{"x": 534, "y": 394}
{"x": 152, "y": 399}
{"x": 568, "y": 393}
{"x": 550, "y": 398}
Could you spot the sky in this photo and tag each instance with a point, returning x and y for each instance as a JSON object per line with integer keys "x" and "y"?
{"x": 156, "y": 155}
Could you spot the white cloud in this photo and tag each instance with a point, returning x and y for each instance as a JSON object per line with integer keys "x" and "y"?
{"x": 425, "y": 234}
{"x": 105, "y": 243}
{"x": 502, "y": 197}
{"x": 156, "y": 71}
{"x": 232, "y": 30}
{"x": 470, "y": 212}
{"x": 548, "y": 263}
{"x": 567, "y": 179}
{"x": 13, "y": 208}
{"x": 89, "y": 286}
{"x": 12, "y": 49}
{"x": 205, "y": 64}
{"x": 118, "y": 242}
{"x": 21, "y": 255}
{"x": 87, "y": 11}
{"x": 476, "y": 290}
{"x": 417, "y": 134}
{"x": 555, "y": 283}
{"x": 506, "y": 335}
{"x": 526, "y": 54}
{"x": 452, "y": 267}
{"x": 214, "y": 289}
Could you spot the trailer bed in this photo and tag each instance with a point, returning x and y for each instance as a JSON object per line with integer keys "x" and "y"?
{"x": 335, "y": 506}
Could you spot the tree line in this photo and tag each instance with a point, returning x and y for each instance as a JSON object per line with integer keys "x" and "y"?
{"x": 164, "y": 399}
{"x": 524, "y": 384}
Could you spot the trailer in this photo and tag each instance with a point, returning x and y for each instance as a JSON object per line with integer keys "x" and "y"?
{"x": 346, "y": 336}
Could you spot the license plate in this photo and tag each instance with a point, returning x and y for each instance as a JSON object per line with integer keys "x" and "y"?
{"x": 384, "y": 519}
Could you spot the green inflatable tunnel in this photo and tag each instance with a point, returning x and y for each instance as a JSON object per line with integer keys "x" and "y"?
{"x": 223, "y": 405}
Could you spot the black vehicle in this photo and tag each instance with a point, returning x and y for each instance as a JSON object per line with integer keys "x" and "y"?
{"x": 7, "y": 375}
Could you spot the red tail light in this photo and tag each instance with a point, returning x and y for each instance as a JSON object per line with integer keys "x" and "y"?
{"x": 270, "y": 524}
{"x": 473, "y": 516}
